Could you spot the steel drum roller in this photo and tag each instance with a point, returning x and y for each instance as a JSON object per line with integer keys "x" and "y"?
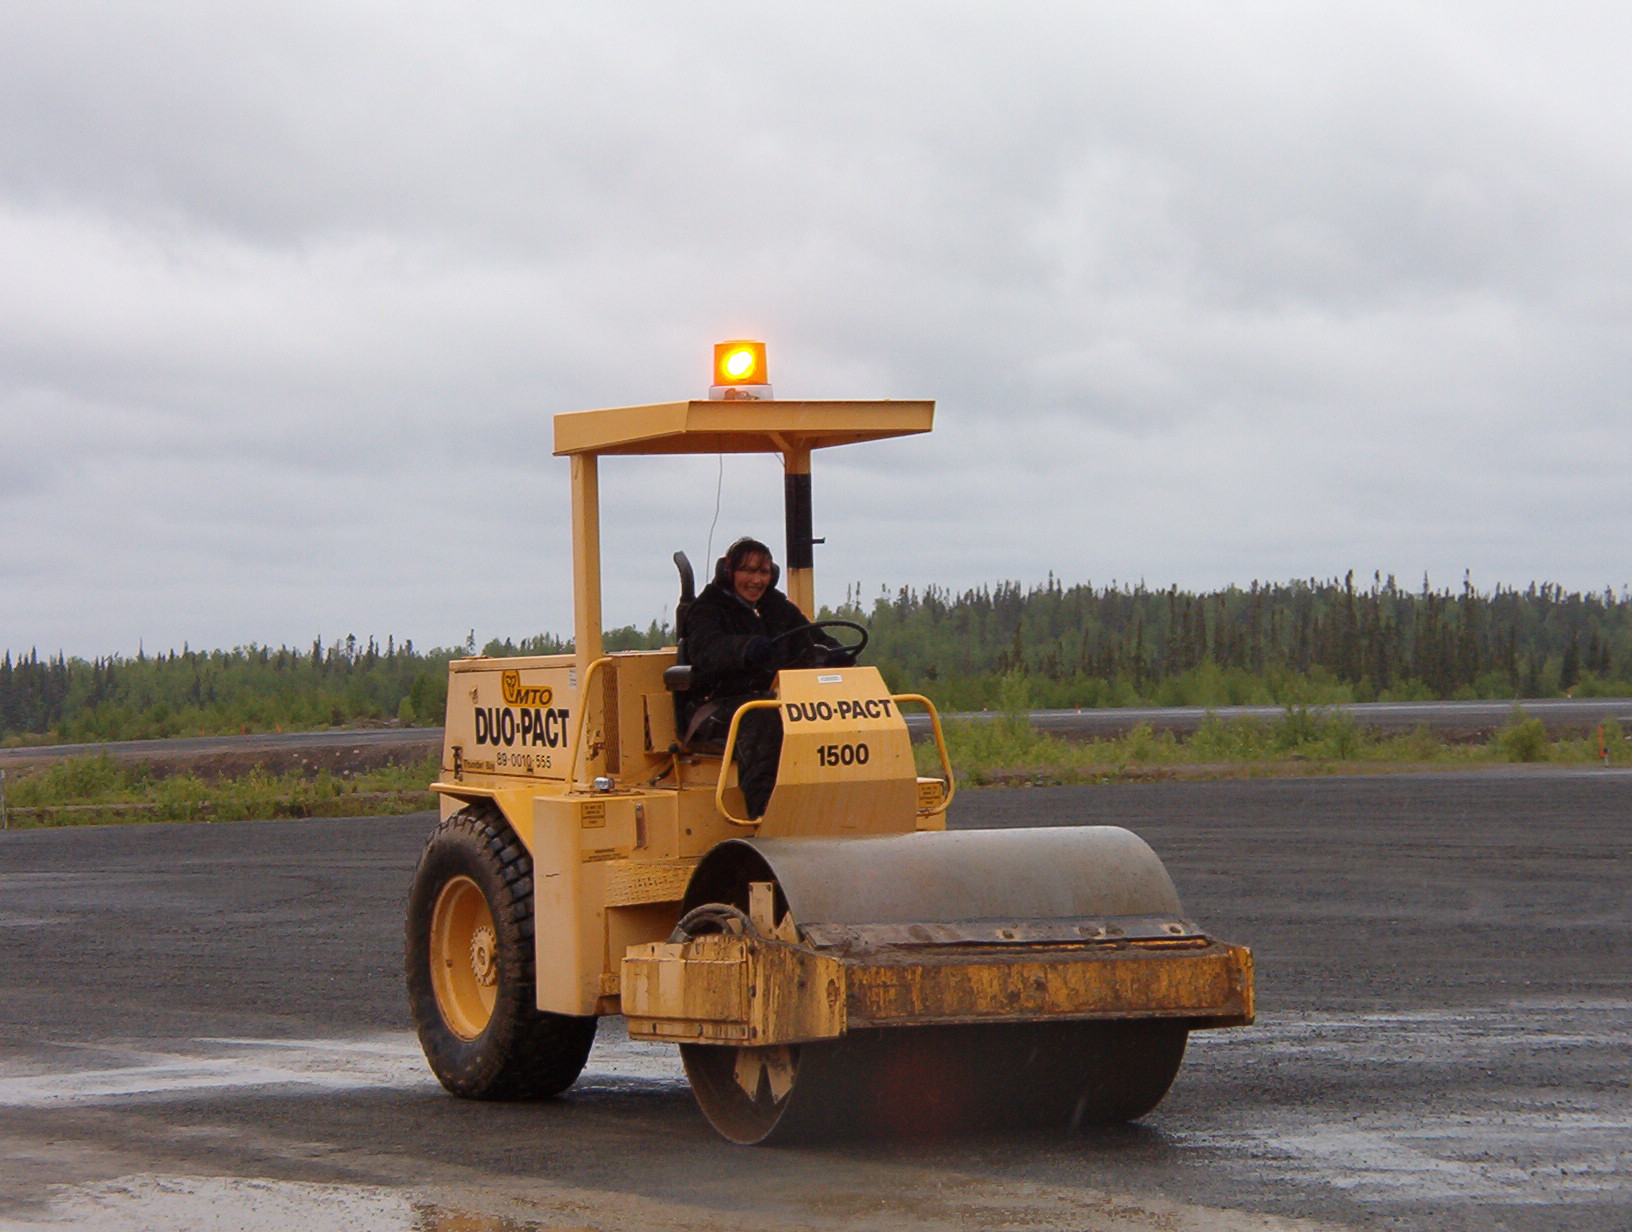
{"x": 939, "y": 876}
{"x": 944, "y": 1078}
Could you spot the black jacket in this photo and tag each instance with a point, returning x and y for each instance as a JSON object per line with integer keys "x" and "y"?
{"x": 719, "y": 626}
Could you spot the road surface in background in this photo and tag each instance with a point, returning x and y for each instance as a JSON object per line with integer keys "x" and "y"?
{"x": 1468, "y": 719}
{"x": 1558, "y": 714}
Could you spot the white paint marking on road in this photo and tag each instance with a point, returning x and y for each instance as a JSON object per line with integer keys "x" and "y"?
{"x": 174, "y": 1077}
{"x": 394, "y": 1045}
{"x": 1439, "y": 1158}
{"x": 617, "y": 1058}
{"x": 290, "y": 1066}
{"x": 1527, "y": 1146}
{"x": 333, "y": 1065}
{"x": 1377, "y": 1164}
{"x": 1456, "y": 1037}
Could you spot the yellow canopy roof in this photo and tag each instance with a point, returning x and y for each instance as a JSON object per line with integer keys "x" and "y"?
{"x": 769, "y": 426}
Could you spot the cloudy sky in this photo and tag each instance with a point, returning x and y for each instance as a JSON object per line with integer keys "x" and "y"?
{"x": 1204, "y": 293}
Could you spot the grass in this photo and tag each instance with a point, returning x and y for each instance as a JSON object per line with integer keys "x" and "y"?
{"x": 1004, "y": 750}
{"x": 1007, "y": 749}
{"x": 98, "y": 789}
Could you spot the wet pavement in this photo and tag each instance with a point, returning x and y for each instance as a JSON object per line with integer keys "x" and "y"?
{"x": 202, "y": 1027}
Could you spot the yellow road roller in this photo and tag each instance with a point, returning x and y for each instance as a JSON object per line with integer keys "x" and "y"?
{"x": 843, "y": 963}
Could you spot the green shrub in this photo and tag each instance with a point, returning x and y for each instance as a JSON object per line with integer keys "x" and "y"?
{"x": 1524, "y": 739}
{"x": 1340, "y": 738}
{"x": 1241, "y": 739}
{"x": 181, "y": 797}
{"x": 74, "y": 780}
{"x": 1139, "y": 743}
{"x": 1419, "y": 744}
{"x": 1295, "y": 728}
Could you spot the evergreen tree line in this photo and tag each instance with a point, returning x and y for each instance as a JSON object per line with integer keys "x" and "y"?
{"x": 1302, "y": 642}
{"x": 251, "y": 688}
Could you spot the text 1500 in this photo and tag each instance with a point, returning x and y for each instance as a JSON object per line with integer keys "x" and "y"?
{"x": 843, "y": 754}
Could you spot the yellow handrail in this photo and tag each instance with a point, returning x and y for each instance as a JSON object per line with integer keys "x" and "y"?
{"x": 759, "y": 703}
{"x": 771, "y": 703}
{"x": 940, "y": 747}
{"x": 583, "y": 720}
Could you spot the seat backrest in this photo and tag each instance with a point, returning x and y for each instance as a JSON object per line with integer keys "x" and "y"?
{"x": 688, "y": 596}
{"x": 678, "y": 678}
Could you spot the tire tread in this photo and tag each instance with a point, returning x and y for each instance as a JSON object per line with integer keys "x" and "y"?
{"x": 525, "y": 1052}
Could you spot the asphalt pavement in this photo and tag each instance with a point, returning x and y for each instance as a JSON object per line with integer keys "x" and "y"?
{"x": 203, "y": 1027}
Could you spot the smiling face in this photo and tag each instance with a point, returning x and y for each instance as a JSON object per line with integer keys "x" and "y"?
{"x": 752, "y": 576}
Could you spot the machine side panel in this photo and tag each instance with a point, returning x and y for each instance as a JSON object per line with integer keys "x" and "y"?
{"x": 509, "y": 719}
{"x": 643, "y": 709}
{"x": 609, "y": 871}
{"x": 568, "y": 918}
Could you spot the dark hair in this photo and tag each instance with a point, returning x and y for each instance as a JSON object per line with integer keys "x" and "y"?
{"x": 736, "y": 554}
{"x": 742, "y": 549}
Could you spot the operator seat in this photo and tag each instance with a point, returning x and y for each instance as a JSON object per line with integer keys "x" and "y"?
{"x": 689, "y": 713}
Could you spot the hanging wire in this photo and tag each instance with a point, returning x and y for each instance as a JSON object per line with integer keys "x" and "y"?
{"x": 719, "y": 487}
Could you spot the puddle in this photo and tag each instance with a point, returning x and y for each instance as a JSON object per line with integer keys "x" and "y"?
{"x": 229, "y": 1204}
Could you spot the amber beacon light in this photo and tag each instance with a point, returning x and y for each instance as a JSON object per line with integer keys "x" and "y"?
{"x": 739, "y": 371}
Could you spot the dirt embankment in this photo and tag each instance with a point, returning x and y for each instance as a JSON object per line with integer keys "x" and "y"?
{"x": 343, "y": 760}
{"x": 230, "y": 757}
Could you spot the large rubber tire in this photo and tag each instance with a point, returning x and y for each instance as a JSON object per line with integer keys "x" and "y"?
{"x": 469, "y": 967}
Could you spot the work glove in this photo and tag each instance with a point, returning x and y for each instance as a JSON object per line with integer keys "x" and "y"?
{"x": 760, "y": 652}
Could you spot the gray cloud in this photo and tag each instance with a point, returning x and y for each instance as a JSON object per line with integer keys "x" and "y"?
{"x": 290, "y": 295}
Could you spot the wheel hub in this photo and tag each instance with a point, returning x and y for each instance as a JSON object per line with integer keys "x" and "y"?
{"x": 464, "y": 957}
{"x": 484, "y": 954}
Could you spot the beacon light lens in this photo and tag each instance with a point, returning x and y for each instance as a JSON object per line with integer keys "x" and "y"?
{"x": 740, "y": 362}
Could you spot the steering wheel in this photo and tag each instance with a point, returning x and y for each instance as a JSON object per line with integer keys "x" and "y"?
{"x": 813, "y": 653}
